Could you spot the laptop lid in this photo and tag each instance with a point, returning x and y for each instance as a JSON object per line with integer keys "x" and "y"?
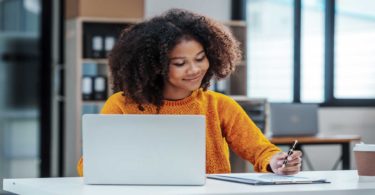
{"x": 144, "y": 149}
{"x": 289, "y": 119}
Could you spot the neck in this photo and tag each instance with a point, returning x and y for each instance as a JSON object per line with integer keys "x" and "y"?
{"x": 175, "y": 95}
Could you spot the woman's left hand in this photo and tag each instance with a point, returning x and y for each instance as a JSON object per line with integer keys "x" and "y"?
{"x": 292, "y": 167}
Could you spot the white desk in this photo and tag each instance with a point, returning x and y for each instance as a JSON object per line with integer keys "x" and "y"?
{"x": 343, "y": 183}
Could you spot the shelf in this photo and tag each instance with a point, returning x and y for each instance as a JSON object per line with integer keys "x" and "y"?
{"x": 109, "y": 20}
{"x": 93, "y": 102}
{"x": 239, "y": 23}
{"x": 255, "y": 111}
{"x": 95, "y": 61}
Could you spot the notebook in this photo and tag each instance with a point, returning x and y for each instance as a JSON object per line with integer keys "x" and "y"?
{"x": 144, "y": 149}
{"x": 292, "y": 119}
{"x": 266, "y": 179}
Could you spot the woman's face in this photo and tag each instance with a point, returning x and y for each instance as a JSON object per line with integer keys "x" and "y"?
{"x": 187, "y": 67}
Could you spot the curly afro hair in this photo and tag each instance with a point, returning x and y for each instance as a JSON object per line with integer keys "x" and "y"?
{"x": 139, "y": 61}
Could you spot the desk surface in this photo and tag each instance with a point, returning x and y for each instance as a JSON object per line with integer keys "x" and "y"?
{"x": 343, "y": 183}
{"x": 319, "y": 139}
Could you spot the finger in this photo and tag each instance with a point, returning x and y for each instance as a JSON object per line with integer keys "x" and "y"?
{"x": 281, "y": 156}
{"x": 280, "y": 162}
{"x": 291, "y": 161}
{"x": 293, "y": 157}
{"x": 294, "y": 161}
{"x": 290, "y": 173}
{"x": 288, "y": 165}
{"x": 284, "y": 171}
{"x": 291, "y": 168}
{"x": 296, "y": 154}
{"x": 293, "y": 165}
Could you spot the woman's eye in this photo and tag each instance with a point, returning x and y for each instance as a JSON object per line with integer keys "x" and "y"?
{"x": 178, "y": 64}
{"x": 201, "y": 58}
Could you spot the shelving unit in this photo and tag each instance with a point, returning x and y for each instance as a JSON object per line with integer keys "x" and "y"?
{"x": 236, "y": 84}
{"x": 75, "y": 68}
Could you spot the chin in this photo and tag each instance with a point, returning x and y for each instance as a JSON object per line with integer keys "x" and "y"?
{"x": 195, "y": 87}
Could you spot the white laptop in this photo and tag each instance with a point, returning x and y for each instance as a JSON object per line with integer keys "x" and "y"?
{"x": 144, "y": 149}
{"x": 293, "y": 119}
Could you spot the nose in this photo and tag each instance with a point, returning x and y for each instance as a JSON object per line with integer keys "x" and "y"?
{"x": 193, "y": 69}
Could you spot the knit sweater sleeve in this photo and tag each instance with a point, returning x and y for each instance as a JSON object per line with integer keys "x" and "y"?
{"x": 243, "y": 136}
{"x": 111, "y": 106}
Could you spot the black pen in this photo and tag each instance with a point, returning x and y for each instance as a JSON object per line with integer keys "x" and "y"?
{"x": 290, "y": 152}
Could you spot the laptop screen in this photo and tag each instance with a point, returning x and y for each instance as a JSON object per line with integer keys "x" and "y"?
{"x": 144, "y": 149}
{"x": 291, "y": 119}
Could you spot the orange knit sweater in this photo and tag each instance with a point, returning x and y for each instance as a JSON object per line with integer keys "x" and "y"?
{"x": 226, "y": 124}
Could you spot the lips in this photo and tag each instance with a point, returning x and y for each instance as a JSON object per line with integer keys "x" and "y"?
{"x": 193, "y": 78}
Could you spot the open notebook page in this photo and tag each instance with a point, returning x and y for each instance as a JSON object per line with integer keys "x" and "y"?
{"x": 266, "y": 178}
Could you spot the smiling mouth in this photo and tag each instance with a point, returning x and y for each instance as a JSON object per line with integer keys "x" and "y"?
{"x": 193, "y": 79}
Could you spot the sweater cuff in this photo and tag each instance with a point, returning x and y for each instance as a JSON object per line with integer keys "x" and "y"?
{"x": 266, "y": 167}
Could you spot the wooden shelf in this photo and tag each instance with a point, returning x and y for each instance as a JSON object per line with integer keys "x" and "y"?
{"x": 239, "y": 23}
{"x": 95, "y": 61}
{"x": 109, "y": 20}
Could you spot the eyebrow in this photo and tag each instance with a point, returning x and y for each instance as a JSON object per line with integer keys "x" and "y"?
{"x": 185, "y": 57}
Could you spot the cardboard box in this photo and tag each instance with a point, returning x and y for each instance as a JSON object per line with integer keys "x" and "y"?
{"x": 104, "y": 8}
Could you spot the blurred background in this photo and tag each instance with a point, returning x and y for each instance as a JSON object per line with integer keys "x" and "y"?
{"x": 53, "y": 69}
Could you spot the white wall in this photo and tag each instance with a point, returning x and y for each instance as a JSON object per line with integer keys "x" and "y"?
{"x": 217, "y": 9}
{"x": 334, "y": 121}
{"x": 359, "y": 121}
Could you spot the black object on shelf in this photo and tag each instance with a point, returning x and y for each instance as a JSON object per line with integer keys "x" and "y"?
{"x": 100, "y": 37}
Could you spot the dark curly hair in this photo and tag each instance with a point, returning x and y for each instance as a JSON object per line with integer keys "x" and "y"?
{"x": 139, "y": 61}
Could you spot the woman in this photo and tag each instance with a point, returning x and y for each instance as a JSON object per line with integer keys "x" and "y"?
{"x": 164, "y": 66}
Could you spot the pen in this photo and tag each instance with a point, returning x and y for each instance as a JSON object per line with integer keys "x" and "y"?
{"x": 290, "y": 152}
